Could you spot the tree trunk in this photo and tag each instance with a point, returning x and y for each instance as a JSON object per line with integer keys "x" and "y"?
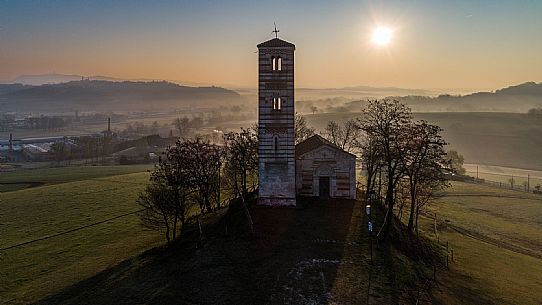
{"x": 417, "y": 214}
{"x": 176, "y": 218}
{"x": 389, "y": 203}
{"x": 412, "y": 207}
{"x": 168, "y": 238}
{"x": 369, "y": 180}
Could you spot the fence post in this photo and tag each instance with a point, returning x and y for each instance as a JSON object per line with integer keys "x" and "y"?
{"x": 528, "y": 183}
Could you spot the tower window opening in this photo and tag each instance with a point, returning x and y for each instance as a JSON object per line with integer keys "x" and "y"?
{"x": 276, "y": 144}
{"x": 274, "y": 62}
{"x": 279, "y": 64}
{"x": 277, "y": 103}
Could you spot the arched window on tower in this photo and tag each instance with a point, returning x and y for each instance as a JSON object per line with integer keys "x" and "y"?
{"x": 276, "y": 63}
{"x": 276, "y": 143}
{"x": 277, "y": 103}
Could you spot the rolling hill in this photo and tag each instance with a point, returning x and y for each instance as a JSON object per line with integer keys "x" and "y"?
{"x": 98, "y": 95}
{"x": 519, "y": 98}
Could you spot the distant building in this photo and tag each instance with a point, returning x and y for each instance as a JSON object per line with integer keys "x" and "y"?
{"x": 323, "y": 169}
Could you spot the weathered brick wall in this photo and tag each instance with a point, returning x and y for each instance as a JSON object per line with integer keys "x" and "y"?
{"x": 276, "y": 166}
{"x": 326, "y": 161}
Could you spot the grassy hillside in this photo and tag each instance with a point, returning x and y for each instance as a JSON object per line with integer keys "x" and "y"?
{"x": 504, "y": 139}
{"x": 20, "y": 179}
{"x": 68, "y": 201}
{"x": 496, "y": 236}
{"x": 315, "y": 254}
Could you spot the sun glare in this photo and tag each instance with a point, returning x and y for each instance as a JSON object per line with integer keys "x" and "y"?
{"x": 382, "y": 36}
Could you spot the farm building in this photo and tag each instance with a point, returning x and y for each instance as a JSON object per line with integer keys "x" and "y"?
{"x": 324, "y": 170}
{"x": 314, "y": 167}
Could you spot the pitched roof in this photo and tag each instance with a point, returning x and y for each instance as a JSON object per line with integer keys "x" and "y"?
{"x": 276, "y": 43}
{"x": 314, "y": 142}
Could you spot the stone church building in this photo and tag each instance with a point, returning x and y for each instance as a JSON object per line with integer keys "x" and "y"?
{"x": 314, "y": 167}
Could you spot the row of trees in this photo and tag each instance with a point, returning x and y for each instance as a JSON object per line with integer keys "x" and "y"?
{"x": 195, "y": 176}
{"x": 405, "y": 160}
{"x": 407, "y": 157}
{"x": 536, "y": 112}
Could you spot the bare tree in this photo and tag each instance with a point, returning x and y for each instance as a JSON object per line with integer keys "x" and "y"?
{"x": 383, "y": 120}
{"x": 242, "y": 164}
{"x": 172, "y": 172}
{"x": 302, "y": 130}
{"x": 183, "y": 126}
{"x": 344, "y": 136}
{"x": 424, "y": 163}
{"x": 203, "y": 161}
{"x": 370, "y": 158}
{"x": 456, "y": 162}
{"x": 158, "y": 203}
{"x": 242, "y": 157}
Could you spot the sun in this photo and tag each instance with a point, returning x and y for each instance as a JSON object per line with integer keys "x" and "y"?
{"x": 382, "y": 36}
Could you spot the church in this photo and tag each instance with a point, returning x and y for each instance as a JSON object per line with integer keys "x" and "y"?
{"x": 314, "y": 167}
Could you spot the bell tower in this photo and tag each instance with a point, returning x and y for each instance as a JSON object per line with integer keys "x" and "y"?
{"x": 276, "y": 123}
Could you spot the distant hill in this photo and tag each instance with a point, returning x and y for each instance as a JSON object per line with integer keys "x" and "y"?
{"x": 42, "y": 79}
{"x": 358, "y": 92}
{"x": 96, "y": 95}
{"x": 7, "y": 88}
{"x": 519, "y": 98}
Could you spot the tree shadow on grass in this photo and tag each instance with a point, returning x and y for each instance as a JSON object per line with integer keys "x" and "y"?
{"x": 281, "y": 264}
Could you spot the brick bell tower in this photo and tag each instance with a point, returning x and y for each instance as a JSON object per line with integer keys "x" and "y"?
{"x": 276, "y": 123}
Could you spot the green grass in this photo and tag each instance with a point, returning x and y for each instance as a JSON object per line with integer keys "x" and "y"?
{"x": 33, "y": 271}
{"x": 68, "y": 174}
{"x": 498, "y": 249}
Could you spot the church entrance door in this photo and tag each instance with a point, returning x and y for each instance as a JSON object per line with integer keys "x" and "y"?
{"x": 324, "y": 187}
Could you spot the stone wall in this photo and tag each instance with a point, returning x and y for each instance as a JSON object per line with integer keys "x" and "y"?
{"x": 326, "y": 161}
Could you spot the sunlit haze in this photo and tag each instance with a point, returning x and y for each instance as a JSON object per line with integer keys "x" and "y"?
{"x": 381, "y": 36}
{"x": 428, "y": 44}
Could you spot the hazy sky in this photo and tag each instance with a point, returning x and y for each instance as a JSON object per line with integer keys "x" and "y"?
{"x": 435, "y": 44}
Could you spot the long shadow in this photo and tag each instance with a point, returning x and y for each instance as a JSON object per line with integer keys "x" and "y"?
{"x": 282, "y": 264}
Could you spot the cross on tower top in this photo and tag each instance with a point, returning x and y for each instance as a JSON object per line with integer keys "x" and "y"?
{"x": 276, "y": 31}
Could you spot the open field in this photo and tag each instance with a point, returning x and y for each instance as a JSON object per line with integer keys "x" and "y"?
{"x": 522, "y": 178}
{"x": 315, "y": 254}
{"x": 23, "y": 178}
{"x": 491, "y": 138}
{"x": 496, "y": 236}
{"x": 71, "y": 198}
